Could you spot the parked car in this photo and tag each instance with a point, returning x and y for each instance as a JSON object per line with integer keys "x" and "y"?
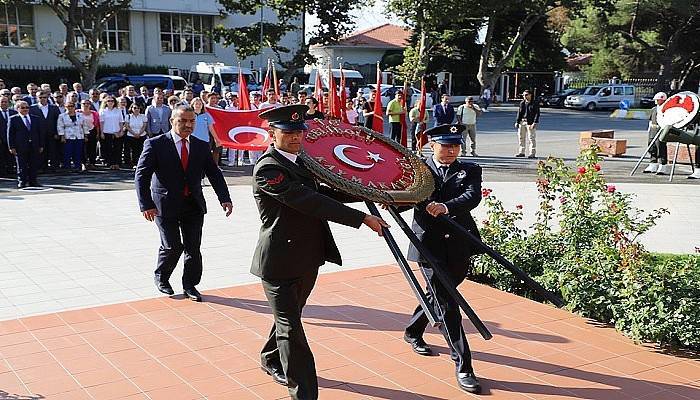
{"x": 220, "y": 76}
{"x": 112, "y": 83}
{"x": 601, "y": 97}
{"x": 389, "y": 91}
{"x": 647, "y": 101}
{"x": 557, "y": 100}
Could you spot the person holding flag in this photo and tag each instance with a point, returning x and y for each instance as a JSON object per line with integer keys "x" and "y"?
{"x": 395, "y": 110}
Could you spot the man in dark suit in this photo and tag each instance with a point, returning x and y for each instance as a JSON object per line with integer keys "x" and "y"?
{"x": 26, "y": 143}
{"x": 47, "y": 114}
{"x": 32, "y": 89}
{"x": 457, "y": 192}
{"x": 173, "y": 165}
{"x": 444, "y": 113}
{"x": 295, "y": 240}
{"x": 132, "y": 97}
{"x": 6, "y": 159}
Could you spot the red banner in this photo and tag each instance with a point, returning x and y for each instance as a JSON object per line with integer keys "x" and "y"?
{"x": 318, "y": 91}
{"x": 422, "y": 140}
{"x": 378, "y": 117}
{"x": 266, "y": 82}
{"x": 404, "y": 123}
{"x": 243, "y": 95}
{"x": 240, "y": 130}
{"x": 343, "y": 97}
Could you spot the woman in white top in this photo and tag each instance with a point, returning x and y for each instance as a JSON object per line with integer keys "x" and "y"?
{"x": 135, "y": 135}
{"x": 73, "y": 128}
{"x": 112, "y": 123}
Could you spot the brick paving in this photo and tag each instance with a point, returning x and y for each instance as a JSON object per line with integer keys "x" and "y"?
{"x": 172, "y": 348}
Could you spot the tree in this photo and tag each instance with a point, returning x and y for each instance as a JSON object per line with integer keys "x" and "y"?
{"x": 334, "y": 17}
{"x": 90, "y": 25}
{"x": 631, "y": 38}
{"x": 438, "y": 23}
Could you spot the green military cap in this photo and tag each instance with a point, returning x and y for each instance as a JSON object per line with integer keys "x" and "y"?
{"x": 287, "y": 118}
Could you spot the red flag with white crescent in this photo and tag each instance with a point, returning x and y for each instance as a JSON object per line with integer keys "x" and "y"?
{"x": 240, "y": 130}
{"x": 335, "y": 107}
{"x": 378, "y": 117}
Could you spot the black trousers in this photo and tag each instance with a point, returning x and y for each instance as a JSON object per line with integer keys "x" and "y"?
{"x": 90, "y": 153}
{"x": 451, "y": 329}
{"x": 54, "y": 152}
{"x": 287, "y": 345}
{"x": 112, "y": 152}
{"x": 396, "y": 132}
{"x": 29, "y": 161}
{"x": 132, "y": 149}
{"x": 7, "y": 160}
{"x": 188, "y": 222}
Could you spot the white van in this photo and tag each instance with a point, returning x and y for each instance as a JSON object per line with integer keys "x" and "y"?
{"x": 221, "y": 76}
{"x": 602, "y": 96}
{"x": 350, "y": 75}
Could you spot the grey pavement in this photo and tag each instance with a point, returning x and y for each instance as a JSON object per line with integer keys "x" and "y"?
{"x": 78, "y": 249}
{"x": 83, "y": 242}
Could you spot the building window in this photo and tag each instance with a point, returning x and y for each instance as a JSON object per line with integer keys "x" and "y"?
{"x": 16, "y": 26}
{"x": 185, "y": 33}
{"x": 115, "y": 36}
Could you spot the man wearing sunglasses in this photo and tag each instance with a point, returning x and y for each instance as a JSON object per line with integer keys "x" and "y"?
{"x": 26, "y": 143}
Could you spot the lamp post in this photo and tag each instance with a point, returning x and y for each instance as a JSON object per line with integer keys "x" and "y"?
{"x": 262, "y": 14}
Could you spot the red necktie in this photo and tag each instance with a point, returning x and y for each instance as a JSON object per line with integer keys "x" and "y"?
{"x": 184, "y": 158}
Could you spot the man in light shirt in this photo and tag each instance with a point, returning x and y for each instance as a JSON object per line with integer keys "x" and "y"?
{"x": 466, "y": 115}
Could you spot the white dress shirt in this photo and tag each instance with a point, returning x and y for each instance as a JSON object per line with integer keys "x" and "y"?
{"x": 177, "y": 139}
{"x": 289, "y": 156}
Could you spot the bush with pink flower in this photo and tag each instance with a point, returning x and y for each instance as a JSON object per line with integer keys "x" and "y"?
{"x": 585, "y": 246}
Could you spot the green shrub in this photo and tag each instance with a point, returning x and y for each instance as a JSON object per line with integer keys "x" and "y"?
{"x": 584, "y": 246}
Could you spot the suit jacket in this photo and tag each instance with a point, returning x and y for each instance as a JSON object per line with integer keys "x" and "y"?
{"x": 31, "y": 100}
{"x": 48, "y": 125}
{"x": 157, "y": 124}
{"x": 295, "y": 210}
{"x": 460, "y": 192}
{"x": 21, "y": 138}
{"x": 139, "y": 100}
{"x": 443, "y": 116}
{"x": 4, "y": 125}
{"x": 160, "y": 179}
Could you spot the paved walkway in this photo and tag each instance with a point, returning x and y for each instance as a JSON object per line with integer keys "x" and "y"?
{"x": 177, "y": 349}
{"x": 70, "y": 250}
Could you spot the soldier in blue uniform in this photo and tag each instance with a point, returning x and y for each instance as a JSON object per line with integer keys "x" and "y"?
{"x": 457, "y": 192}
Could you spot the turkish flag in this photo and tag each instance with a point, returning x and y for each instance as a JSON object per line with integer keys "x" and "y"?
{"x": 266, "y": 82}
{"x": 343, "y": 97}
{"x": 378, "y": 117}
{"x": 422, "y": 140}
{"x": 243, "y": 96}
{"x": 240, "y": 130}
{"x": 335, "y": 106}
{"x": 404, "y": 124}
{"x": 318, "y": 92}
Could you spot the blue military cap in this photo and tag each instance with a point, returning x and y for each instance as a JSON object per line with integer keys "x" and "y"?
{"x": 446, "y": 134}
{"x": 288, "y": 118}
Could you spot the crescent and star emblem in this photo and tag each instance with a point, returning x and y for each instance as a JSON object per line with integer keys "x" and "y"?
{"x": 247, "y": 129}
{"x": 339, "y": 152}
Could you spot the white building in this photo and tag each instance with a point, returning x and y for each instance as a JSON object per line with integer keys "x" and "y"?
{"x": 363, "y": 49}
{"x": 151, "y": 32}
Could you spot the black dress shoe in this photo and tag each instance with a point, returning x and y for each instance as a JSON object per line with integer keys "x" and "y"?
{"x": 193, "y": 294}
{"x": 164, "y": 287}
{"x": 35, "y": 184}
{"x": 467, "y": 381}
{"x": 276, "y": 373}
{"x": 22, "y": 185}
{"x": 418, "y": 345}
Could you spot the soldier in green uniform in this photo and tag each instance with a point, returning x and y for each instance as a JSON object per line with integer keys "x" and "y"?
{"x": 295, "y": 240}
